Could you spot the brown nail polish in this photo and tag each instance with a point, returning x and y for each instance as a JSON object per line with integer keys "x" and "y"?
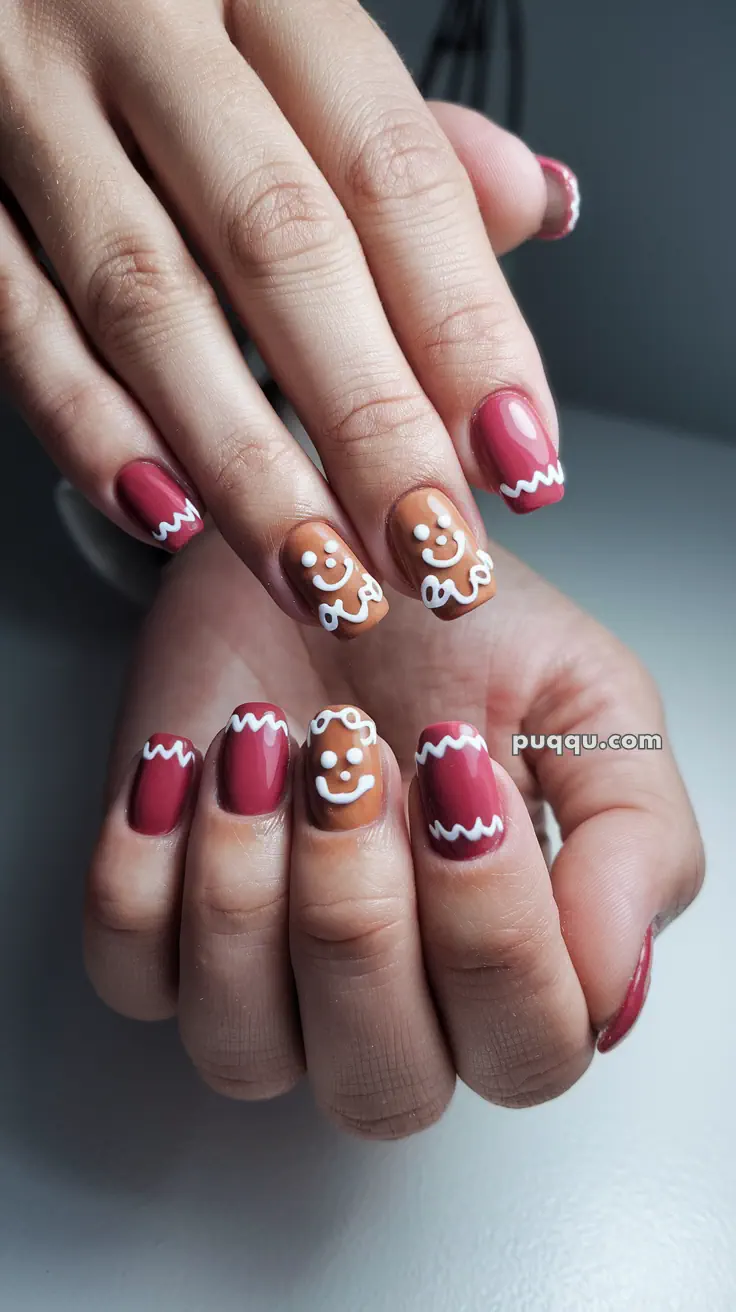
{"x": 439, "y": 554}
{"x": 346, "y": 599}
{"x": 343, "y": 769}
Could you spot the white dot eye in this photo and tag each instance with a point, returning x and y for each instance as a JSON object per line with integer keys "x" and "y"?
{"x": 331, "y": 545}
{"x": 309, "y": 559}
{"x": 330, "y": 562}
{"x": 421, "y": 532}
{"x": 354, "y": 756}
{"x": 444, "y": 521}
{"x": 328, "y": 760}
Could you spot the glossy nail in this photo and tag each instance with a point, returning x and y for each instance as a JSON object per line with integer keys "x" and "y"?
{"x": 162, "y": 783}
{"x": 459, "y": 792}
{"x": 636, "y": 995}
{"x": 514, "y": 448}
{"x": 346, "y": 599}
{"x": 439, "y": 554}
{"x": 563, "y": 200}
{"x": 254, "y": 759}
{"x": 343, "y": 769}
{"x": 155, "y": 501}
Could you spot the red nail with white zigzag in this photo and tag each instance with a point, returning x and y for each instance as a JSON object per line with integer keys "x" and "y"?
{"x": 155, "y": 501}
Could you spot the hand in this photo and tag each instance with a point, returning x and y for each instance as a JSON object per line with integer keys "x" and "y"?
{"x": 410, "y": 963}
{"x": 289, "y": 144}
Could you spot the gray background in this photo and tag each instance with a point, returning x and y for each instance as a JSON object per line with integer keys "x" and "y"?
{"x": 124, "y": 1185}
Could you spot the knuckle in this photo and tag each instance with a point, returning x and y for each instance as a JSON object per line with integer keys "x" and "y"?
{"x": 131, "y": 289}
{"x": 364, "y": 928}
{"x": 531, "y": 1080}
{"x": 243, "y": 461}
{"x": 374, "y": 1122}
{"x": 517, "y": 955}
{"x": 23, "y": 306}
{"x": 403, "y": 156}
{"x": 127, "y": 911}
{"x": 257, "y": 1078}
{"x": 273, "y": 218}
{"x": 481, "y": 329}
{"x": 368, "y": 416}
{"x": 230, "y": 911}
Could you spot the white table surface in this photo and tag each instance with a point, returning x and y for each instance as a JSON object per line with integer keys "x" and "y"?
{"x": 125, "y": 1186}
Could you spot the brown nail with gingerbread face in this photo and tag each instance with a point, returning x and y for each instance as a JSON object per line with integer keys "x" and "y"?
{"x": 343, "y": 769}
{"x": 346, "y": 599}
{"x": 439, "y": 554}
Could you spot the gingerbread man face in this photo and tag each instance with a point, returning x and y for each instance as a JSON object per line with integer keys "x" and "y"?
{"x": 344, "y": 767}
{"x": 440, "y": 554}
{"x": 443, "y": 543}
{"x": 331, "y": 579}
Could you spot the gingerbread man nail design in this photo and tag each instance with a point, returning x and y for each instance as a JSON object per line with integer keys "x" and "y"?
{"x": 440, "y": 555}
{"x": 347, "y": 599}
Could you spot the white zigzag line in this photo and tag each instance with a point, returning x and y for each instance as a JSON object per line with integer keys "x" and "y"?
{"x": 238, "y": 723}
{"x": 479, "y": 830}
{"x": 439, "y": 749}
{"x": 552, "y": 475}
{"x": 187, "y": 516}
{"x": 168, "y": 752}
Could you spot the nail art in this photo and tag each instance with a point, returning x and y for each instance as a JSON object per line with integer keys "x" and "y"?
{"x": 254, "y": 759}
{"x": 343, "y": 768}
{"x": 636, "y": 995}
{"x": 162, "y": 783}
{"x": 511, "y": 443}
{"x": 459, "y": 792}
{"x": 439, "y": 554}
{"x": 155, "y": 501}
{"x": 563, "y": 200}
{"x": 328, "y": 575}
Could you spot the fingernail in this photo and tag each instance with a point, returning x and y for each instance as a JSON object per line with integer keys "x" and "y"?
{"x": 439, "y": 554}
{"x": 337, "y": 588}
{"x": 254, "y": 759}
{"x": 563, "y": 200}
{"x": 155, "y": 501}
{"x": 343, "y": 769}
{"x": 459, "y": 792}
{"x": 512, "y": 445}
{"x": 162, "y": 783}
{"x": 636, "y": 995}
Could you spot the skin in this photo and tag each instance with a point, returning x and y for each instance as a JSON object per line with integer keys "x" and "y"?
{"x": 410, "y": 970}
{"x": 350, "y": 225}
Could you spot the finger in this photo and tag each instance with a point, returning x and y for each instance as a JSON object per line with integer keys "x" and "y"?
{"x": 282, "y": 245}
{"x": 508, "y": 993}
{"x": 237, "y": 1003}
{"x": 376, "y": 1057}
{"x": 520, "y": 195}
{"x": 411, "y": 202}
{"x": 632, "y": 857}
{"x": 133, "y": 896}
{"x": 151, "y": 313}
{"x": 90, "y": 426}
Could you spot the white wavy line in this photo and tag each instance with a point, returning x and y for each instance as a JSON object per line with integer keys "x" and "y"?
{"x": 187, "y": 516}
{"x": 330, "y": 616}
{"x": 168, "y": 752}
{"x": 553, "y": 474}
{"x": 479, "y": 830}
{"x": 238, "y": 723}
{"x": 350, "y": 717}
{"x": 438, "y": 749}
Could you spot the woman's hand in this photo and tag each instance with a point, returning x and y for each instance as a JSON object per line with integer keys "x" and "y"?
{"x": 289, "y": 928}
{"x": 288, "y": 143}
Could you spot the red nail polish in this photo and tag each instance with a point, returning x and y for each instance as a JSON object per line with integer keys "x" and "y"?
{"x": 636, "y": 995}
{"x": 161, "y": 785}
{"x": 155, "y": 501}
{"x": 459, "y": 791}
{"x": 515, "y": 449}
{"x": 563, "y": 200}
{"x": 254, "y": 759}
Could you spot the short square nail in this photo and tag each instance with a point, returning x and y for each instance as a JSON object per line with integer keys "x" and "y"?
{"x": 459, "y": 792}
{"x": 512, "y": 445}
{"x": 254, "y": 759}
{"x": 563, "y": 200}
{"x": 328, "y": 576}
{"x": 158, "y": 504}
{"x": 343, "y": 769}
{"x": 439, "y": 555}
{"x": 161, "y": 785}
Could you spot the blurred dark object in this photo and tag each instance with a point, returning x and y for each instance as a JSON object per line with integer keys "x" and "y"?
{"x": 463, "y": 46}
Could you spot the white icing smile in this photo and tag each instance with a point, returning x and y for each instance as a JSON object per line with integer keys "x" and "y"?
{"x": 364, "y": 785}
{"x": 323, "y": 586}
{"x": 438, "y": 562}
